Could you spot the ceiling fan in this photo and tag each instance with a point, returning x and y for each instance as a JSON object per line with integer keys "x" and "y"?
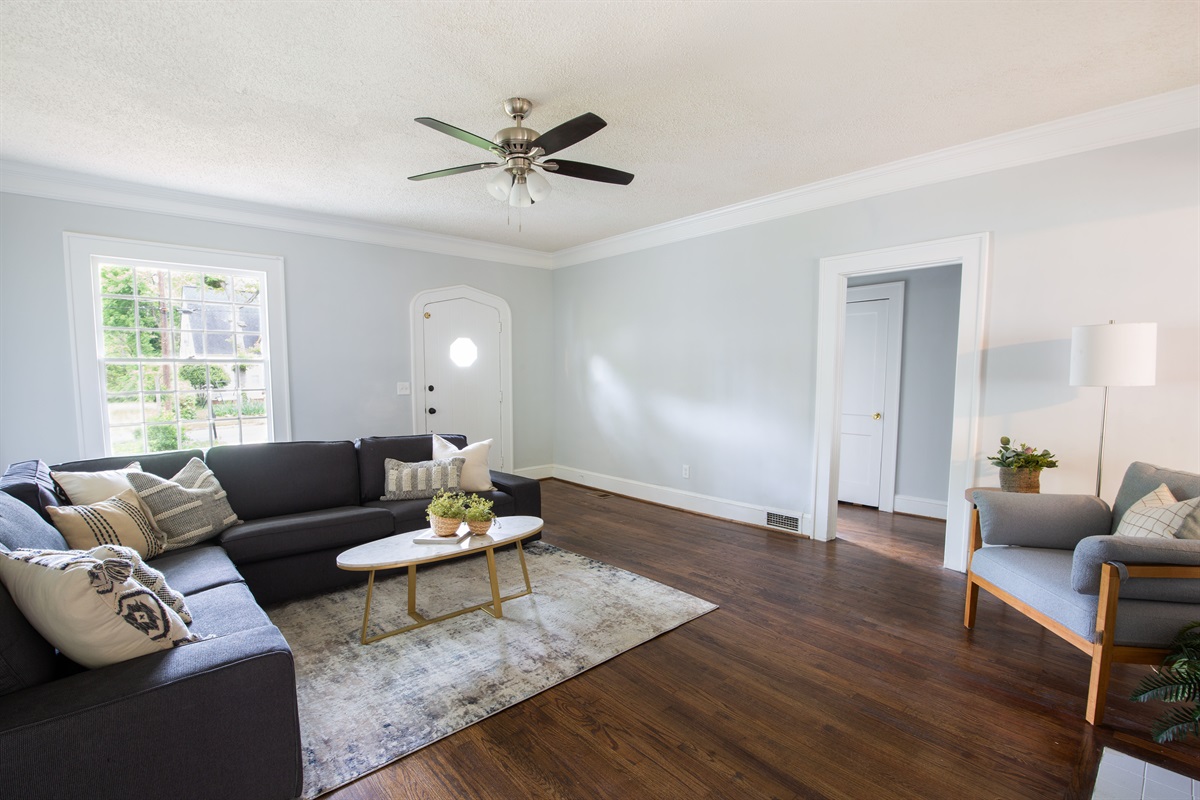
{"x": 525, "y": 151}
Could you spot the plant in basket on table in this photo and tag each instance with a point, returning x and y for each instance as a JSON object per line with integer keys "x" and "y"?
{"x": 1021, "y": 467}
{"x": 446, "y": 512}
{"x": 479, "y": 515}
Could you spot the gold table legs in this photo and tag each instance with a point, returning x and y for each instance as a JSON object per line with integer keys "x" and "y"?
{"x": 493, "y": 607}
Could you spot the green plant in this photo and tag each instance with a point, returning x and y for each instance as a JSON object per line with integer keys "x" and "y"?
{"x": 479, "y": 509}
{"x": 1176, "y": 681}
{"x": 1023, "y": 457}
{"x": 449, "y": 505}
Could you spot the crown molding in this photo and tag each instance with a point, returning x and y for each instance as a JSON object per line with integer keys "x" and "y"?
{"x": 54, "y": 184}
{"x": 1160, "y": 115}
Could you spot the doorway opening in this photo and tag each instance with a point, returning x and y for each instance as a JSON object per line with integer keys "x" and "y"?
{"x": 972, "y": 253}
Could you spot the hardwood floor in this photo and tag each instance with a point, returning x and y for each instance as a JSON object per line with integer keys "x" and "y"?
{"x": 836, "y": 670}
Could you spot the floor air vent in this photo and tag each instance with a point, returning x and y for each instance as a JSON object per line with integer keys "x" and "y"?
{"x": 783, "y": 521}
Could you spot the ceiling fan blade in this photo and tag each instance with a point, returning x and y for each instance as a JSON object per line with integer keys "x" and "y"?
{"x": 567, "y": 134}
{"x": 589, "y": 172}
{"x": 459, "y": 133}
{"x": 441, "y": 173}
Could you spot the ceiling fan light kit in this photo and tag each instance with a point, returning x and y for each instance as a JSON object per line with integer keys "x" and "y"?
{"x": 519, "y": 182}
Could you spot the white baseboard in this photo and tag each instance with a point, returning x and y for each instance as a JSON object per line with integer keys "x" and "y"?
{"x": 538, "y": 473}
{"x": 721, "y": 508}
{"x": 919, "y": 506}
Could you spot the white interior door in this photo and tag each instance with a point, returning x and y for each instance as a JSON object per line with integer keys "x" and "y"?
{"x": 864, "y": 374}
{"x": 462, "y": 387}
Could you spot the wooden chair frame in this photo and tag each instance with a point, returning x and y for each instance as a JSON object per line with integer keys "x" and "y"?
{"x": 1105, "y": 652}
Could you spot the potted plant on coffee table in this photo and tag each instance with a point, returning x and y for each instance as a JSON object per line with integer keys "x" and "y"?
{"x": 446, "y": 512}
{"x": 1021, "y": 467}
{"x": 479, "y": 515}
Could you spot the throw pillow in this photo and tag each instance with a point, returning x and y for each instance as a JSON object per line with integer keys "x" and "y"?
{"x": 1157, "y": 515}
{"x": 403, "y": 480}
{"x": 85, "y": 488}
{"x": 147, "y": 576}
{"x": 118, "y": 520}
{"x": 188, "y": 508}
{"x": 475, "y": 474}
{"x": 90, "y": 609}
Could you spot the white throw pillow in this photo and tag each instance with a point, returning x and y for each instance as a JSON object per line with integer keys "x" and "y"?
{"x": 1157, "y": 515}
{"x": 91, "y": 609}
{"x": 85, "y": 488}
{"x": 475, "y": 474}
{"x": 118, "y": 520}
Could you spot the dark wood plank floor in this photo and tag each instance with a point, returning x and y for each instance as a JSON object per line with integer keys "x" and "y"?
{"x": 830, "y": 671}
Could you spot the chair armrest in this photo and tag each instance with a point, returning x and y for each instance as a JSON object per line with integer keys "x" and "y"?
{"x": 1052, "y": 521}
{"x": 226, "y": 706}
{"x": 1094, "y": 551}
{"x": 525, "y": 492}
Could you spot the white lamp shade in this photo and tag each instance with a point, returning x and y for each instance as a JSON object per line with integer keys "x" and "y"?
{"x": 519, "y": 196}
{"x": 500, "y": 184}
{"x": 1114, "y": 355}
{"x": 539, "y": 187}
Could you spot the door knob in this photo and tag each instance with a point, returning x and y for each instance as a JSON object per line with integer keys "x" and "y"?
{"x": 431, "y": 387}
{"x": 433, "y": 411}
{"x": 876, "y": 415}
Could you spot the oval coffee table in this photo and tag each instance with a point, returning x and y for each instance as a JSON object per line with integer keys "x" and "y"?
{"x": 401, "y": 551}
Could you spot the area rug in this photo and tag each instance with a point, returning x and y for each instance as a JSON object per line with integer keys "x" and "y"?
{"x": 364, "y": 706}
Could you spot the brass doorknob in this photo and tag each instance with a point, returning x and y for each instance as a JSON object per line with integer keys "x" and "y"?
{"x": 876, "y": 415}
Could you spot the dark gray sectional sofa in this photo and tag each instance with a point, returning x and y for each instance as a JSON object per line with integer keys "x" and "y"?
{"x": 215, "y": 718}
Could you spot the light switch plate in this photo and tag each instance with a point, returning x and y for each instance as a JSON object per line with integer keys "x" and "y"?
{"x": 403, "y": 388}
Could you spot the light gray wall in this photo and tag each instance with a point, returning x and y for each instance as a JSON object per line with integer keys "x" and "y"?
{"x": 702, "y": 352}
{"x": 928, "y": 351}
{"x": 349, "y": 338}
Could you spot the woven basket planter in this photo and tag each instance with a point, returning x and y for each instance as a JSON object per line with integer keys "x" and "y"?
{"x": 445, "y": 526}
{"x": 1020, "y": 479}
{"x": 479, "y": 527}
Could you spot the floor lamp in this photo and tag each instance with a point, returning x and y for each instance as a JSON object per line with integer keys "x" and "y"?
{"x": 1112, "y": 355}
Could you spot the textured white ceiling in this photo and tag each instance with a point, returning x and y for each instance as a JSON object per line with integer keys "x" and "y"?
{"x": 310, "y": 105}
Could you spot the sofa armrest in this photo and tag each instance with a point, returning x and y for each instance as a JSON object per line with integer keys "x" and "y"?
{"x": 216, "y": 718}
{"x": 525, "y": 492}
{"x": 1053, "y": 521}
{"x": 1094, "y": 551}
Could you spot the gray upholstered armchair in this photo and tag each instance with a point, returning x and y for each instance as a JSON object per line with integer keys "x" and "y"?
{"x": 1054, "y": 558}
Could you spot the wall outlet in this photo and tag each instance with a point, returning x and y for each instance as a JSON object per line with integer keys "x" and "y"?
{"x": 687, "y": 471}
{"x": 403, "y": 388}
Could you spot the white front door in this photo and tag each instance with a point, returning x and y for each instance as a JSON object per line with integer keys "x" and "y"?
{"x": 462, "y": 384}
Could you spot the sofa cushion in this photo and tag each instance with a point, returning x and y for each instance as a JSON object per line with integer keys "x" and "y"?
{"x": 188, "y": 508}
{"x": 21, "y": 527}
{"x": 1141, "y": 479}
{"x": 1057, "y": 521}
{"x": 1096, "y": 550}
{"x": 162, "y": 464}
{"x": 373, "y": 450}
{"x": 475, "y": 474}
{"x": 279, "y": 478}
{"x": 85, "y": 488}
{"x": 30, "y": 482}
{"x": 410, "y": 514}
{"x": 226, "y": 609}
{"x": 1041, "y": 578}
{"x": 91, "y": 609}
{"x": 290, "y": 534}
{"x": 405, "y": 480}
{"x": 195, "y": 569}
{"x": 118, "y": 520}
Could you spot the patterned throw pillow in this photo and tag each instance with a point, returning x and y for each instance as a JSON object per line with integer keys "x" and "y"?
{"x": 475, "y": 474}
{"x": 85, "y": 488}
{"x": 118, "y": 520}
{"x": 403, "y": 480}
{"x": 189, "y": 508}
{"x": 147, "y": 576}
{"x": 91, "y": 609}
{"x": 1157, "y": 515}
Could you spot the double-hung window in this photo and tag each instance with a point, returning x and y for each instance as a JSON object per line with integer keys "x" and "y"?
{"x": 176, "y": 348}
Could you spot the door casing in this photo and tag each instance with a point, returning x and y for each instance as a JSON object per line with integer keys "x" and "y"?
{"x": 418, "y": 358}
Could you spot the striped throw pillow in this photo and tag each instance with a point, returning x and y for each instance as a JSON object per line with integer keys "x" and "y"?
{"x": 188, "y": 508}
{"x": 418, "y": 480}
{"x": 118, "y": 520}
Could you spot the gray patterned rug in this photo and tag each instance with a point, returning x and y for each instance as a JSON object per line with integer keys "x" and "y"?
{"x": 363, "y": 706}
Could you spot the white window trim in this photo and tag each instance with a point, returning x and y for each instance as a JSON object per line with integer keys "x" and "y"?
{"x": 82, "y": 285}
